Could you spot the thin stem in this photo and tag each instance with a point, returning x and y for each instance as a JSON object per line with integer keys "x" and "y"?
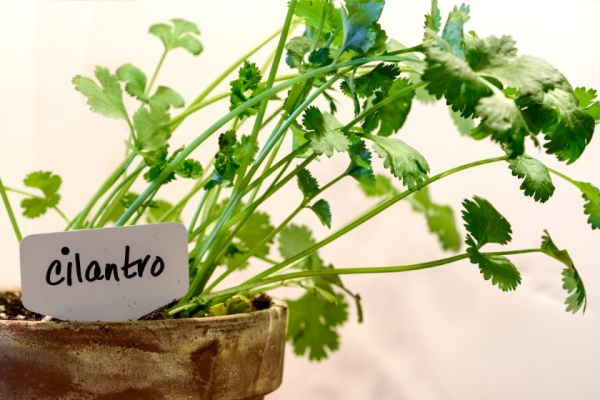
{"x": 325, "y": 7}
{"x": 156, "y": 72}
{"x": 103, "y": 189}
{"x": 198, "y": 210}
{"x": 351, "y": 271}
{"x": 368, "y": 216}
{"x": 67, "y": 220}
{"x": 143, "y": 208}
{"x": 11, "y": 215}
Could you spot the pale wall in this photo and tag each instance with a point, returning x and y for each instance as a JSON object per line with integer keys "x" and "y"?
{"x": 436, "y": 334}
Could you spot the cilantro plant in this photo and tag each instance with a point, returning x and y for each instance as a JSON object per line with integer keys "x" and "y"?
{"x": 492, "y": 92}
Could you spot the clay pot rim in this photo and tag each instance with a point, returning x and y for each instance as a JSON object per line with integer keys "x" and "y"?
{"x": 276, "y": 303}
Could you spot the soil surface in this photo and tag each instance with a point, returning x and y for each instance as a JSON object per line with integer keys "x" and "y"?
{"x": 11, "y": 308}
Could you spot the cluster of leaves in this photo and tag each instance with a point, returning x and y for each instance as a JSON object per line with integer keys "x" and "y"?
{"x": 245, "y": 88}
{"x": 49, "y": 184}
{"x": 228, "y": 158}
{"x": 515, "y": 97}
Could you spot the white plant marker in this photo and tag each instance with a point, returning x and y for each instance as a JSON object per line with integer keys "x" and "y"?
{"x": 108, "y": 274}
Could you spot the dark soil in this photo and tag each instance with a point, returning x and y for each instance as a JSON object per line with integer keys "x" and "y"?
{"x": 11, "y": 308}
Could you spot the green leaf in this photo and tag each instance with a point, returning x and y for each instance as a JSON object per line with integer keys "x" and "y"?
{"x": 380, "y": 77}
{"x": 392, "y": 116}
{"x": 357, "y": 17}
{"x": 572, "y": 281}
{"x": 120, "y": 207}
{"x": 537, "y": 182}
{"x": 297, "y": 48}
{"x": 158, "y": 208}
{"x": 136, "y": 81}
{"x": 383, "y": 187}
{"x": 235, "y": 305}
{"x": 157, "y": 160}
{"x": 152, "y": 127}
{"x": 298, "y": 140}
{"x": 503, "y": 120}
{"x": 308, "y": 184}
{"x": 244, "y": 146}
{"x": 464, "y": 125}
{"x": 591, "y": 195}
{"x": 440, "y": 219}
{"x": 190, "y": 169}
{"x": 556, "y": 113}
{"x": 165, "y": 97}
{"x": 417, "y": 64}
{"x": 107, "y": 100}
{"x": 453, "y": 30}
{"x": 321, "y": 208}
{"x": 324, "y": 132}
{"x": 312, "y": 323}
{"x": 254, "y": 231}
{"x": 226, "y": 163}
{"x": 485, "y": 223}
{"x": 404, "y": 162}
{"x": 178, "y": 35}
{"x": 422, "y": 94}
{"x": 433, "y": 21}
{"x": 497, "y": 268}
{"x": 360, "y": 164}
{"x": 312, "y": 12}
{"x": 249, "y": 78}
{"x": 294, "y": 239}
{"x": 49, "y": 184}
{"x": 489, "y": 53}
{"x": 586, "y": 101}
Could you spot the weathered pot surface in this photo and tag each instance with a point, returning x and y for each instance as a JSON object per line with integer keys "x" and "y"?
{"x": 237, "y": 357}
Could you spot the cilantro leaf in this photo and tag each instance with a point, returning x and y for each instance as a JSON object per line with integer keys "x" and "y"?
{"x": 298, "y": 140}
{"x": 503, "y": 120}
{"x": 453, "y": 30}
{"x": 107, "y": 100}
{"x": 497, "y": 268}
{"x": 379, "y": 77}
{"x": 556, "y": 113}
{"x": 357, "y": 17}
{"x": 244, "y": 146}
{"x": 294, "y": 239}
{"x": 297, "y": 48}
{"x": 489, "y": 53}
{"x": 394, "y": 45}
{"x": 312, "y": 322}
{"x": 49, "y": 184}
{"x": 226, "y": 163}
{"x": 404, "y": 162}
{"x": 572, "y": 281}
{"x": 165, "y": 97}
{"x": 383, "y": 187}
{"x": 323, "y": 132}
{"x": 323, "y": 211}
{"x": 591, "y": 195}
{"x": 485, "y": 223}
{"x": 158, "y": 208}
{"x": 136, "y": 81}
{"x": 157, "y": 160}
{"x": 440, "y": 219}
{"x": 586, "y": 97}
{"x": 312, "y": 12}
{"x": 537, "y": 182}
{"x": 392, "y": 116}
{"x": 433, "y": 21}
{"x": 249, "y": 78}
{"x": 254, "y": 231}
{"x": 464, "y": 125}
{"x": 308, "y": 184}
{"x": 189, "y": 168}
{"x": 360, "y": 164}
{"x": 152, "y": 127}
{"x": 175, "y": 36}
{"x": 422, "y": 93}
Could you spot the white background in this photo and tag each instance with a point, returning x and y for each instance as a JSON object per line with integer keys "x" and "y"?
{"x": 435, "y": 334}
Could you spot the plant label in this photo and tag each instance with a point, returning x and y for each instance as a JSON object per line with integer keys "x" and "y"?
{"x": 108, "y": 274}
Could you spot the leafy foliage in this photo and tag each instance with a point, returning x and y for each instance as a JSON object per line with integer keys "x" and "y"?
{"x": 312, "y": 11}
{"x": 537, "y": 182}
{"x": 308, "y": 184}
{"x": 379, "y": 77}
{"x": 499, "y": 269}
{"x": 106, "y": 100}
{"x": 464, "y": 125}
{"x": 405, "y": 162}
{"x": 360, "y": 164}
{"x": 152, "y": 127}
{"x": 136, "y": 86}
{"x": 157, "y": 209}
{"x": 591, "y": 195}
{"x": 249, "y": 78}
{"x": 178, "y": 35}
{"x": 453, "y": 30}
{"x": 49, "y": 184}
{"x": 440, "y": 219}
{"x": 324, "y": 132}
{"x": 294, "y": 239}
{"x": 226, "y": 163}
{"x": 323, "y": 211}
{"x": 485, "y": 223}
{"x": 572, "y": 281}
{"x": 391, "y": 116}
{"x": 433, "y": 21}
{"x": 383, "y": 187}
{"x": 358, "y": 18}
{"x": 297, "y": 48}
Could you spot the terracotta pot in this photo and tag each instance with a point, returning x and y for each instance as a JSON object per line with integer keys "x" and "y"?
{"x": 237, "y": 357}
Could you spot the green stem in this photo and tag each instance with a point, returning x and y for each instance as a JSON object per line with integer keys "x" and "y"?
{"x": 103, "y": 189}
{"x": 352, "y": 271}
{"x": 133, "y": 175}
{"x": 566, "y": 178}
{"x": 323, "y": 16}
{"x": 156, "y": 72}
{"x": 368, "y": 216}
{"x": 67, "y": 220}
{"x": 198, "y": 210}
{"x": 143, "y": 208}
{"x": 11, "y": 215}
